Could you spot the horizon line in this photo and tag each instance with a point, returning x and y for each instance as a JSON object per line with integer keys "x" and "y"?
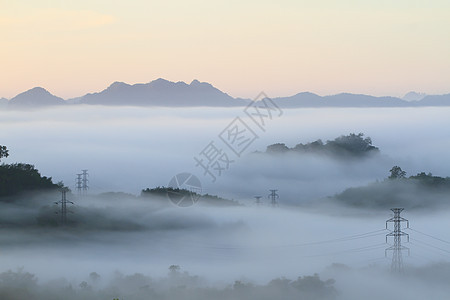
{"x": 196, "y": 80}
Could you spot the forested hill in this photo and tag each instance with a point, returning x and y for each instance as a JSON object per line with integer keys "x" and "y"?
{"x": 349, "y": 146}
{"x": 421, "y": 191}
{"x": 18, "y": 178}
{"x": 162, "y": 193}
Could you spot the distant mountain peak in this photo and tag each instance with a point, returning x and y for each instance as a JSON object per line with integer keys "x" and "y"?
{"x": 161, "y": 83}
{"x": 306, "y": 94}
{"x": 36, "y": 91}
{"x": 414, "y": 96}
{"x": 117, "y": 84}
{"x": 161, "y": 92}
{"x": 196, "y": 83}
{"x": 3, "y": 102}
{"x": 161, "y": 80}
{"x": 34, "y": 97}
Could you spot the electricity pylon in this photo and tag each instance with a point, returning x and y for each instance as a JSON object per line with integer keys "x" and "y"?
{"x": 258, "y": 200}
{"x": 63, "y": 202}
{"x": 85, "y": 181}
{"x": 273, "y": 196}
{"x": 79, "y": 184}
{"x": 397, "y": 261}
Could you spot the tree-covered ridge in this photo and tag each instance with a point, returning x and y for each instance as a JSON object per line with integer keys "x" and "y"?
{"x": 352, "y": 145}
{"x": 176, "y": 285}
{"x": 418, "y": 191}
{"x": 162, "y": 193}
{"x": 427, "y": 180}
{"x": 18, "y": 177}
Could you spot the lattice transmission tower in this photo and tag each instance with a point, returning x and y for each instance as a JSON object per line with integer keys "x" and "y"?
{"x": 63, "y": 202}
{"x": 85, "y": 181}
{"x": 273, "y": 196}
{"x": 79, "y": 184}
{"x": 397, "y": 233}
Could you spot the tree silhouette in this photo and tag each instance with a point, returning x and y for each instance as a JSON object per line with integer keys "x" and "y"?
{"x": 277, "y": 148}
{"x": 397, "y": 172}
{"x": 174, "y": 269}
{"x": 3, "y": 152}
{"x": 345, "y": 146}
{"x": 18, "y": 177}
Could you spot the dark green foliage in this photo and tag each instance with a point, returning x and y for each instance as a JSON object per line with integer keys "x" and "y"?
{"x": 428, "y": 180}
{"x": 17, "y": 285}
{"x": 306, "y": 287}
{"x": 116, "y": 196}
{"x": 216, "y": 200}
{"x": 17, "y": 178}
{"x": 312, "y": 285}
{"x": 419, "y": 191}
{"x": 355, "y": 144}
{"x": 160, "y": 193}
{"x": 352, "y": 145}
{"x": 310, "y": 147}
{"x": 397, "y": 173}
{"x": 277, "y": 148}
{"x": 3, "y": 152}
{"x": 177, "y": 285}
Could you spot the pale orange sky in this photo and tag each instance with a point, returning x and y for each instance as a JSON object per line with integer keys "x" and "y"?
{"x": 241, "y": 47}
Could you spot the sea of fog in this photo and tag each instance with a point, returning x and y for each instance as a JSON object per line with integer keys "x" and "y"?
{"x": 131, "y": 148}
{"x": 128, "y": 149}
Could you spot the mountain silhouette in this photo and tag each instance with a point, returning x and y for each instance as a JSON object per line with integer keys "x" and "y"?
{"x": 161, "y": 92}
{"x": 340, "y": 100}
{"x": 414, "y": 96}
{"x": 435, "y": 100}
{"x": 36, "y": 97}
{"x": 3, "y": 102}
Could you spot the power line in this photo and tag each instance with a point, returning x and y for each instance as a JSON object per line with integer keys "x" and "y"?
{"x": 428, "y": 235}
{"x": 343, "y": 239}
{"x": 423, "y": 258}
{"x": 337, "y": 240}
{"x": 429, "y": 245}
{"x": 349, "y": 251}
{"x": 427, "y": 249}
{"x": 374, "y": 259}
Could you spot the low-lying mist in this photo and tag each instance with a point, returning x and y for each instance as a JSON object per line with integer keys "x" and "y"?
{"x": 368, "y": 283}
{"x": 233, "y": 252}
{"x": 220, "y": 245}
{"x": 128, "y": 149}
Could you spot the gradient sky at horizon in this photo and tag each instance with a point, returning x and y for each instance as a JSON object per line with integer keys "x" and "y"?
{"x": 242, "y": 47}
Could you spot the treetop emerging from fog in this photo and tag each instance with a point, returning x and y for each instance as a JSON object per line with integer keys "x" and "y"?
{"x": 352, "y": 145}
{"x": 3, "y": 152}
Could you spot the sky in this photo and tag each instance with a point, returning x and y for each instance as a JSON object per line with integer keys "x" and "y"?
{"x": 242, "y": 47}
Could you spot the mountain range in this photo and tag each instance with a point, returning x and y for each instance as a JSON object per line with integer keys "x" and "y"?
{"x": 162, "y": 92}
{"x": 35, "y": 97}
